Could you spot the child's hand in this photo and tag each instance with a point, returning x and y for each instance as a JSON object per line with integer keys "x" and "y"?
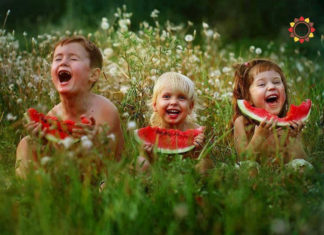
{"x": 265, "y": 128}
{"x": 295, "y": 128}
{"x": 35, "y": 129}
{"x": 199, "y": 139}
{"x": 85, "y": 128}
{"x": 148, "y": 148}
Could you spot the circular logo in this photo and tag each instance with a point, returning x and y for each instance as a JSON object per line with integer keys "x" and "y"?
{"x": 301, "y": 29}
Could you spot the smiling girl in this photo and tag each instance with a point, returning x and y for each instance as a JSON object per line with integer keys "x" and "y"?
{"x": 263, "y": 84}
{"x": 173, "y": 105}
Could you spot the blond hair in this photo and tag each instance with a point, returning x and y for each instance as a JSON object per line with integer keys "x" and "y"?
{"x": 174, "y": 81}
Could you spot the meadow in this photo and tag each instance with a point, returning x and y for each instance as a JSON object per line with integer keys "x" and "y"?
{"x": 173, "y": 198}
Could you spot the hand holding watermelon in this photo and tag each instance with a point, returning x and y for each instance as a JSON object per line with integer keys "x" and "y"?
{"x": 265, "y": 128}
{"x": 86, "y": 127}
{"x": 295, "y": 128}
{"x": 50, "y": 127}
{"x": 200, "y": 138}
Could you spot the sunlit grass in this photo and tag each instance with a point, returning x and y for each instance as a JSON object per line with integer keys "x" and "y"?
{"x": 173, "y": 198}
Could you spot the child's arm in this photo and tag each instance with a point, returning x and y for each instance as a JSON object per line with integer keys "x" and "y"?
{"x": 261, "y": 132}
{"x": 117, "y": 132}
{"x": 295, "y": 146}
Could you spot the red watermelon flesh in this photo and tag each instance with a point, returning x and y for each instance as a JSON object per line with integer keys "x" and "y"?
{"x": 169, "y": 141}
{"x": 295, "y": 113}
{"x": 54, "y": 128}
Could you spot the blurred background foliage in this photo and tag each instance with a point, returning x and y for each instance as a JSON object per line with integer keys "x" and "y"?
{"x": 235, "y": 20}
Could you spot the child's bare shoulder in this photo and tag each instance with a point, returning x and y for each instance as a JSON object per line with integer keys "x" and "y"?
{"x": 106, "y": 110}
{"x": 56, "y": 111}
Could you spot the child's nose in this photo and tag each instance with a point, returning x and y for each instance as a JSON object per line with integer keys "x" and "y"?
{"x": 173, "y": 100}
{"x": 271, "y": 86}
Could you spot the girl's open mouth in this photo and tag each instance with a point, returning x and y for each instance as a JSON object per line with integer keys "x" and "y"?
{"x": 272, "y": 99}
{"x": 172, "y": 111}
{"x": 64, "y": 76}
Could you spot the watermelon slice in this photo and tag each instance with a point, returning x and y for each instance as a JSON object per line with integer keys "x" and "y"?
{"x": 168, "y": 141}
{"x": 55, "y": 129}
{"x": 295, "y": 113}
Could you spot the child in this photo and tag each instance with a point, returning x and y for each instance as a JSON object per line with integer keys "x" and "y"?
{"x": 173, "y": 104}
{"x": 76, "y": 67}
{"x": 262, "y": 83}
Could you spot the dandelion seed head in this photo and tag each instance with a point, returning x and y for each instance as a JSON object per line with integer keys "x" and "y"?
{"x": 205, "y": 25}
{"x": 45, "y": 160}
{"x": 11, "y": 117}
{"x": 189, "y": 38}
{"x": 131, "y": 125}
{"x": 104, "y": 23}
{"x": 155, "y": 13}
{"x": 258, "y": 51}
{"x": 67, "y": 142}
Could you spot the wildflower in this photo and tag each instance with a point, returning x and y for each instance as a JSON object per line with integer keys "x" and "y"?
{"x": 123, "y": 24}
{"x": 30, "y": 85}
{"x": 155, "y": 13}
{"x": 216, "y": 35}
{"x": 180, "y": 210}
{"x": 67, "y": 142}
{"x": 189, "y": 38}
{"x": 252, "y": 48}
{"x": 297, "y": 164}
{"x": 258, "y": 51}
{"x": 19, "y": 100}
{"x": 112, "y": 137}
{"x": 104, "y": 23}
{"x": 34, "y": 41}
{"x": 131, "y": 125}
{"x": 226, "y": 69}
{"x": 86, "y": 143}
{"x": 11, "y": 117}
{"x": 124, "y": 89}
{"x": 300, "y": 67}
{"x": 11, "y": 86}
{"x": 205, "y": 25}
{"x": 209, "y": 33}
{"x": 216, "y": 95}
{"x": 125, "y": 115}
{"x": 279, "y": 226}
{"x": 24, "y": 34}
{"x": 45, "y": 160}
{"x": 108, "y": 52}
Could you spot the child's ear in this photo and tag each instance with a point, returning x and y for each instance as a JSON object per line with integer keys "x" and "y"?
{"x": 154, "y": 107}
{"x": 94, "y": 75}
{"x": 192, "y": 105}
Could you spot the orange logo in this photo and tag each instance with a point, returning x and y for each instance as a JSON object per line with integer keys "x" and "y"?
{"x": 301, "y": 24}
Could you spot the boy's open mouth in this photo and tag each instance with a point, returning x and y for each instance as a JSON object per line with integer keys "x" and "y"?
{"x": 271, "y": 98}
{"x": 64, "y": 76}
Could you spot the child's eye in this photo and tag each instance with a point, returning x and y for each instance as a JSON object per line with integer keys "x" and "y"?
{"x": 277, "y": 82}
{"x": 166, "y": 96}
{"x": 261, "y": 85}
{"x": 74, "y": 59}
{"x": 57, "y": 59}
{"x": 182, "y": 97}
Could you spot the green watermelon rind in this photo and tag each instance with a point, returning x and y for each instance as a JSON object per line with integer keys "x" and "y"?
{"x": 164, "y": 150}
{"x": 250, "y": 114}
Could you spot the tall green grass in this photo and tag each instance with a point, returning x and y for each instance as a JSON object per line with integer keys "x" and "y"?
{"x": 173, "y": 198}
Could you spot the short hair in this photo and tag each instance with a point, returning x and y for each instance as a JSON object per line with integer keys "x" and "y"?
{"x": 95, "y": 55}
{"x": 174, "y": 81}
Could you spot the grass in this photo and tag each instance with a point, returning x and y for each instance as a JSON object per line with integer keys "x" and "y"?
{"x": 173, "y": 198}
